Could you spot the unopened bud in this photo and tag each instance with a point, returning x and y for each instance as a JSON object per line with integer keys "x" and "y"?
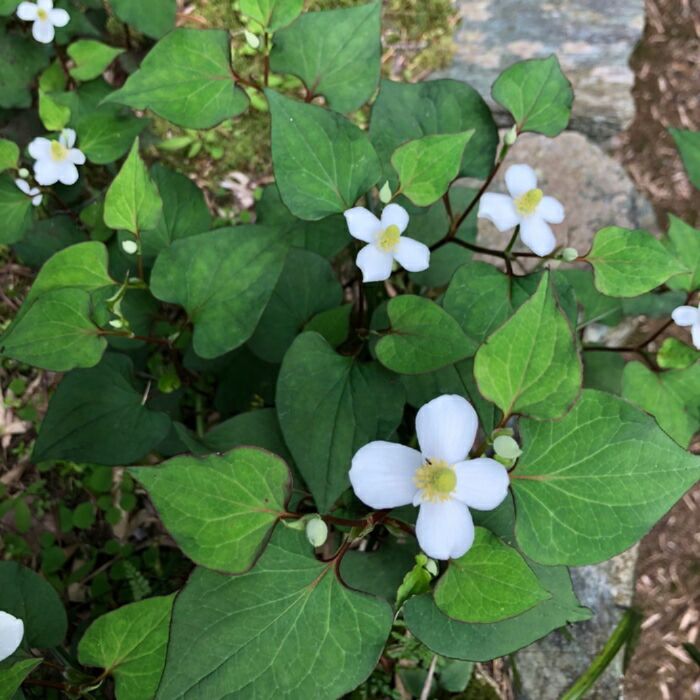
{"x": 252, "y": 40}
{"x": 316, "y": 532}
{"x": 569, "y": 254}
{"x": 385, "y": 193}
{"x": 129, "y": 247}
{"x": 511, "y": 136}
{"x": 505, "y": 446}
{"x": 23, "y": 172}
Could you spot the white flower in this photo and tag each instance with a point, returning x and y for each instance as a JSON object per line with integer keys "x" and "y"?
{"x": 45, "y": 18}
{"x": 11, "y": 633}
{"x": 385, "y": 242}
{"x": 526, "y": 207}
{"x": 33, "y": 192}
{"x": 689, "y": 316}
{"x": 440, "y": 478}
{"x": 56, "y": 160}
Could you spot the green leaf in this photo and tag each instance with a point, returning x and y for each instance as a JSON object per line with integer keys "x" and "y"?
{"x": 630, "y": 262}
{"x": 671, "y": 397}
{"x": 688, "y": 144}
{"x": 684, "y": 243}
{"x": 333, "y": 325}
{"x": 329, "y": 406}
{"x": 490, "y": 583}
{"x": 272, "y": 14}
{"x": 98, "y": 415}
{"x": 54, "y": 116}
{"x": 223, "y": 279}
{"x": 428, "y": 165}
{"x": 530, "y": 365}
{"x": 29, "y": 597}
{"x": 132, "y": 201}
{"x": 423, "y": 337}
{"x": 130, "y": 644}
{"x": 407, "y": 111}
{"x": 12, "y": 675}
{"x": 336, "y": 53}
{"x": 15, "y": 211}
{"x": 537, "y": 94}
{"x": 154, "y": 19}
{"x": 8, "y": 7}
{"x": 322, "y": 161}
{"x": 9, "y": 155}
{"x": 220, "y": 509}
{"x": 674, "y": 354}
{"x": 91, "y": 57}
{"x": 45, "y": 238}
{"x": 289, "y": 628}
{"x": 306, "y": 287}
{"x": 21, "y": 58}
{"x": 185, "y": 212}
{"x": 603, "y": 371}
{"x": 592, "y": 483}
{"x": 105, "y": 135}
{"x": 186, "y": 78}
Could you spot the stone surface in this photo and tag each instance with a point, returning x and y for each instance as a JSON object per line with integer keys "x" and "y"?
{"x": 592, "y": 39}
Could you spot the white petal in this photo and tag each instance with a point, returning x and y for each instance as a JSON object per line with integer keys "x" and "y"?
{"x": 551, "y": 210}
{"x": 695, "y": 334}
{"x": 413, "y": 256}
{"x": 685, "y": 315}
{"x": 374, "y": 263}
{"x": 59, "y": 18}
{"x": 75, "y": 155}
{"x": 499, "y": 210}
{"x": 67, "y": 138}
{"x": 27, "y": 11}
{"x": 446, "y": 428}
{"x": 23, "y": 185}
{"x": 445, "y": 529}
{"x": 67, "y": 173}
{"x": 520, "y": 179}
{"x": 382, "y": 474}
{"x": 40, "y": 148}
{"x": 46, "y": 5}
{"x": 42, "y": 31}
{"x": 11, "y": 633}
{"x": 394, "y": 215}
{"x": 362, "y": 224}
{"x": 536, "y": 234}
{"x": 481, "y": 483}
{"x": 46, "y": 172}
{"x": 37, "y": 200}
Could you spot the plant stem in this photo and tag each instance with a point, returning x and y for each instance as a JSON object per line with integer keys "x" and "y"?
{"x": 425, "y": 693}
{"x": 448, "y": 206}
{"x": 266, "y": 60}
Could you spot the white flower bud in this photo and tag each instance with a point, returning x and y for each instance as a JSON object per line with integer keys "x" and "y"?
{"x": 23, "y": 172}
{"x": 505, "y": 446}
{"x": 569, "y": 254}
{"x": 511, "y": 136}
{"x": 385, "y": 193}
{"x": 251, "y": 39}
{"x": 316, "y": 532}
{"x": 129, "y": 247}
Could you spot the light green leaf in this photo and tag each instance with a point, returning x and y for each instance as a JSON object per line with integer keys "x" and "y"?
{"x": 272, "y": 14}
{"x": 672, "y": 397}
{"x": 427, "y": 166}
{"x": 329, "y": 406}
{"x": 98, "y": 415}
{"x": 537, "y": 94}
{"x": 8, "y": 7}
{"x": 91, "y": 58}
{"x": 224, "y": 280}
{"x": 592, "y": 483}
{"x": 336, "y": 53}
{"x": 630, "y": 262}
{"x": 21, "y": 58}
{"x": 33, "y": 600}
{"x": 132, "y": 201}
{"x": 15, "y": 211}
{"x": 407, "y": 111}
{"x": 12, "y": 675}
{"x": 9, "y": 155}
{"x": 54, "y": 116}
{"x": 490, "y": 583}
{"x": 220, "y": 509}
{"x": 423, "y": 337}
{"x": 674, "y": 354}
{"x": 130, "y": 644}
{"x": 688, "y": 143}
{"x": 322, "y": 161}
{"x": 530, "y": 365}
{"x": 154, "y": 19}
{"x": 186, "y": 78}
{"x": 684, "y": 243}
{"x": 289, "y": 628}
{"x": 105, "y": 135}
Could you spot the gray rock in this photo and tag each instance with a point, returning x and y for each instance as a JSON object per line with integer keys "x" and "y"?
{"x": 593, "y": 40}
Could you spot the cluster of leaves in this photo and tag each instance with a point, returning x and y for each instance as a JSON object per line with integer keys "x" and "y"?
{"x": 235, "y": 370}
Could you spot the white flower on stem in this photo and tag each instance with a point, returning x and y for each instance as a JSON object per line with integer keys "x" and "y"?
{"x": 689, "y": 316}
{"x": 45, "y": 18}
{"x": 33, "y": 192}
{"x": 11, "y": 633}
{"x": 385, "y": 242}
{"x": 440, "y": 479}
{"x": 525, "y": 206}
{"x": 56, "y": 160}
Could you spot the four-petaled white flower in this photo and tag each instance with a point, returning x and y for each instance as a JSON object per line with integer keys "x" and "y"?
{"x": 385, "y": 242}
{"x": 440, "y": 478}
{"x": 689, "y": 316}
{"x": 56, "y": 160}
{"x": 526, "y": 207}
{"x": 45, "y": 18}
{"x": 33, "y": 192}
{"x": 11, "y": 633}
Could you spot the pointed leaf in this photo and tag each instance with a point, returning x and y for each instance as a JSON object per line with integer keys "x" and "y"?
{"x": 106, "y": 135}
{"x": 272, "y": 14}
{"x": 688, "y": 143}
{"x": 12, "y": 675}
{"x": 153, "y": 19}
{"x": 15, "y": 211}
{"x": 91, "y": 58}
{"x": 685, "y": 244}
{"x": 9, "y": 155}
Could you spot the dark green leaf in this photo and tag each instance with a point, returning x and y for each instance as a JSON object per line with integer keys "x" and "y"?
{"x": 685, "y": 245}
{"x": 15, "y": 211}
{"x": 21, "y": 58}
{"x": 12, "y": 674}
{"x": 105, "y": 135}
{"x": 272, "y": 14}
{"x": 155, "y": 18}
{"x": 9, "y": 155}
{"x": 688, "y": 143}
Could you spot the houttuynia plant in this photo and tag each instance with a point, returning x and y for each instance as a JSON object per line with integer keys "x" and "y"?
{"x": 343, "y": 420}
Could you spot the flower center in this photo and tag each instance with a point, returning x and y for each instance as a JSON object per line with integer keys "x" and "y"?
{"x": 43, "y": 15}
{"x": 527, "y": 203}
{"x": 436, "y": 479}
{"x": 58, "y": 151}
{"x": 389, "y": 238}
